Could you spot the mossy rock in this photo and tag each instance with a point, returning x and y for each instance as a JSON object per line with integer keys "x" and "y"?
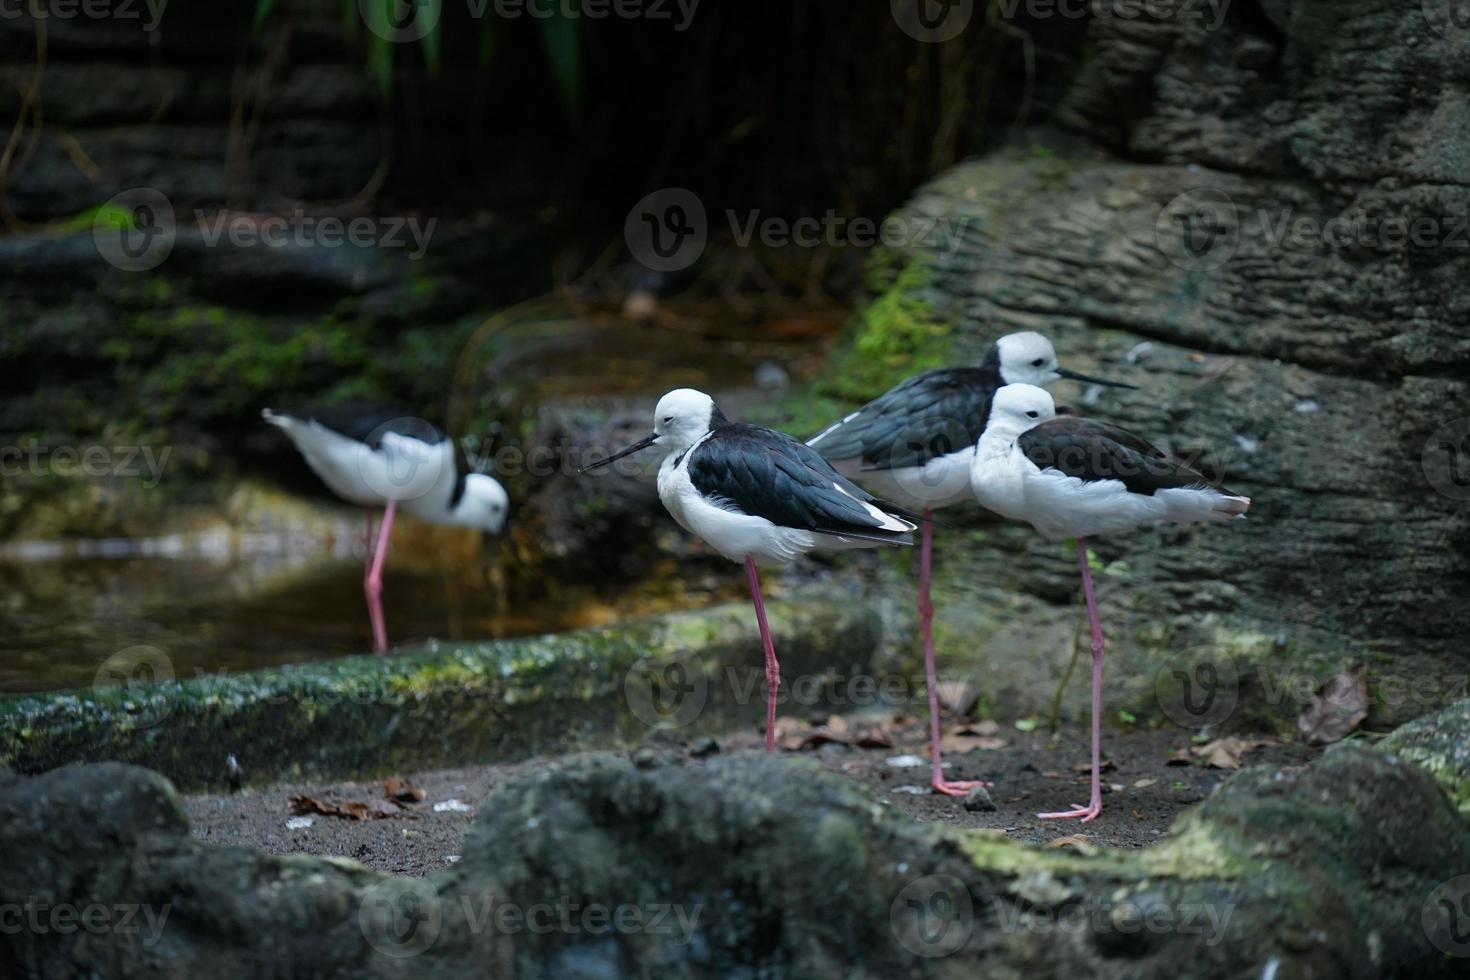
{"x": 754, "y": 865}
{"x": 443, "y": 705}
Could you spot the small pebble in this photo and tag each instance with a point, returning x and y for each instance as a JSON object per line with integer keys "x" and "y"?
{"x": 646, "y": 759}
{"x": 978, "y": 801}
{"x": 904, "y": 761}
{"x": 452, "y": 806}
{"x": 298, "y": 823}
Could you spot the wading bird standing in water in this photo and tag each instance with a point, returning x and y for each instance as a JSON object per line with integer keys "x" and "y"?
{"x": 1071, "y": 477}
{"x": 913, "y": 446}
{"x": 384, "y": 460}
{"x": 759, "y": 497}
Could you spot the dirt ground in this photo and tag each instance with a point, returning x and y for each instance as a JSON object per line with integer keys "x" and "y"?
{"x": 1142, "y": 791}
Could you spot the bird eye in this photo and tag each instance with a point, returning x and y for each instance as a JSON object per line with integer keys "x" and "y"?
{"x": 1038, "y": 362}
{"x": 668, "y": 419}
{"x": 1031, "y": 415}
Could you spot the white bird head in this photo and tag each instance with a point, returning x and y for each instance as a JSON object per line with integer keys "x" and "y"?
{"x": 1016, "y": 408}
{"x": 1028, "y": 358}
{"x": 681, "y": 419}
{"x": 484, "y": 504}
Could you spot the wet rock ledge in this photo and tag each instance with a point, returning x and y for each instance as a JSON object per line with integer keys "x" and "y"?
{"x": 1354, "y": 866}
{"x": 450, "y": 705}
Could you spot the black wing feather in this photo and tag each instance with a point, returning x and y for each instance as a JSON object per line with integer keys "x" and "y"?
{"x": 768, "y": 474}
{"x": 367, "y": 424}
{"x": 931, "y": 414}
{"x": 1092, "y": 450}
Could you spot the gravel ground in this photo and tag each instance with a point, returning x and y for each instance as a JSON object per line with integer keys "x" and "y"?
{"x": 1143, "y": 793}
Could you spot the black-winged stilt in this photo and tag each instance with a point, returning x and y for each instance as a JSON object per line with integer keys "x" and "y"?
{"x": 913, "y": 445}
{"x": 381, "y": 459}
{"x": 1072, "y": 477}
{"x": 759, "y": 497}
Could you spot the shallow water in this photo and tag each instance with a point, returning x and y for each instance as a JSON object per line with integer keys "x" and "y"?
{"x": 288, "y": 587}
{"x": 64, "y": 619}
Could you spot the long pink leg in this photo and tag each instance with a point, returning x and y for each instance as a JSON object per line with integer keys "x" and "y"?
{"x": 367, "y": 545}
{"x": 773, "y": 670}
{"x": 926, "y": 627}
{"x": 1090, "y": 811}
{"x": 372, "y": 584}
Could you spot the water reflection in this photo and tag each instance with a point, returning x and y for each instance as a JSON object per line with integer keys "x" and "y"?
{"x": 224, "y": 601}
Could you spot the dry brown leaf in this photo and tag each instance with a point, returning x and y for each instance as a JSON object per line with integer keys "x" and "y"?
{"x": 1225, "y": 753}
{"x": 1106, "y": 765}
{"x": 967, "y": 738}
{"x": 1180, "y": 757}
{"x": 876, "y": 738}
{"x": 1337, "y": 708}
{"x": 350, "y": 809}
{"x": 402, "y": 791}
{"x": 1078, "y": 842}
{"x": 957, "y": 698}
{"x": 791, "y": 733}
{"x": 1144, "y": 783}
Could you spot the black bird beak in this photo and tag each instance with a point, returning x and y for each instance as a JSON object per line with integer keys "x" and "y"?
{"x": 638, "y": 446}
{"x": 1076, "y": 376}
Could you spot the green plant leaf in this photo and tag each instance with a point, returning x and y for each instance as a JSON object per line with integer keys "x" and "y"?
{"x": 487, "y": 40}
{"x": 262, "y": 11}
{"x": 380, "y": 60}
{"x": 430, "y": 41}
{"x": 562, "y": 36}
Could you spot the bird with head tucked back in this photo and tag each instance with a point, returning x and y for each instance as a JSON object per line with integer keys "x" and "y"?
{"x": 386, "y": 459}
{"x": 1073, "y": 477}
{"x": 759, "y": 497}
{"x": 913, "y": 445}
